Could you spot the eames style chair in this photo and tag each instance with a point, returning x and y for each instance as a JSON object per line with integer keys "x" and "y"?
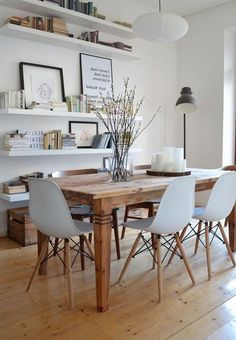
{"x": 46, "y": 198}
{"x": 219, "y": 206}
{"x": 174, "y": 213}
{"x": 149, "y": 205}
{"x": 82, "y": 211}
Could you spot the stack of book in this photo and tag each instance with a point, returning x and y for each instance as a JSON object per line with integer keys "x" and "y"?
{"x": 23, "y": 140}
{"x": 12, "y": 100}
{"x": 59, "y": 26}
{"x": 68, "y": 141}
{"x": 16, "y": 141}
{"x": 122, "y": 46}
{"x": 101, "y": 141}
{"x": 14, "y": 187}
{"x": 52, "y": 140}
{"x": 77, "y": 103}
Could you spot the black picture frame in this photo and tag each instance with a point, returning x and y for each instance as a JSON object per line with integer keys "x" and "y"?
{"x": 78, "y": 127}
{"x": 89, "y": 81}
{"x": 28, "y": 69}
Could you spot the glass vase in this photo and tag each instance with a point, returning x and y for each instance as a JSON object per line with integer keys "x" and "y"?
{"x": 121, "y": 167}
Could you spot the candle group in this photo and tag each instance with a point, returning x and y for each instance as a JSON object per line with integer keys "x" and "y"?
{"x": 170, "y": 160}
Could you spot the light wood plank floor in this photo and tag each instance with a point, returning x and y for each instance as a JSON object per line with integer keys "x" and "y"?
{"x": 187, "y": 312}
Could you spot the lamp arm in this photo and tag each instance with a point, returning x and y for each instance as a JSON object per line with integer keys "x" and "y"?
{"x": 159, "y": 6}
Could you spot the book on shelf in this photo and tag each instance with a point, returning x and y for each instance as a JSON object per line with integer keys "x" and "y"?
{"x": 101, "y": 141}
{"x": 12, "y": 99}
{"x": 77, "y": 103}
{"x": 68, "y": 141}
{"x": 14, "y": 187}
{"x": 52, "y": 140}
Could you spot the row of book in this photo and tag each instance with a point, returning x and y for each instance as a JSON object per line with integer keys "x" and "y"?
{"x": 77, "y": 103}
{"x": 38, "y": 140}
{"x": 85, "y": 7}
{"x": 12, "y": 99}
{"x": 54, "y": 140}
{"x": 53, "y": 25}
{"x": 102, "y": 141}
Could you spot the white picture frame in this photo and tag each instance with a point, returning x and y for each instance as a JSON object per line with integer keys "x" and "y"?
{"x": 96, "y": 77}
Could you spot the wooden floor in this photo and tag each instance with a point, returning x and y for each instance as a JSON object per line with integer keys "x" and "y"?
{"x": 207, "y": 310}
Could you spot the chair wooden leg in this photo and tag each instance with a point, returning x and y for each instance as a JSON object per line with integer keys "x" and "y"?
{"x": 82, "y": 259}
{"x": 182, "y": 252}
{"x": 199, "y": 229}
{"x": 116, "y": 232}
{"x": 88, "y": 244}
{"x": 130, "y": 257}
{"x": 151, "y": 210}
{"x": 125, "y": 220}
{"x": 227, "y": 244}
{"x": 208, "y": 251}
{"x": 56, "y": 242}
{"x": 90, "y": 238}
{"x": 159, "y": 269}
{"x": 91, "y": 234}
{"x": 176, "y": 246}
{"x": 64, "y": 258}
{"x": 69, "y": 273}
{"x": 40, "y": 258}
{"x": 154, "y": 246}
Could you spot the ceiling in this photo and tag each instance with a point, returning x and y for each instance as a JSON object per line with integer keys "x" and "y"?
{"x": 184, "y": 7}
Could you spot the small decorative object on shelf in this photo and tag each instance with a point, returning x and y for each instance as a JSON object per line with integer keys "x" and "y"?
{"x": 14, "y": 187}
{"x": 118, "y": 115}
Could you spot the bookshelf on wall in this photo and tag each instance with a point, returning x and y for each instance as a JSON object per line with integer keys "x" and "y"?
{"x": 46, "y": 9}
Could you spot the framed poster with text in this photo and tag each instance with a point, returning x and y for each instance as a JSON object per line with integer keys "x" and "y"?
{"x": 96, "y": 77}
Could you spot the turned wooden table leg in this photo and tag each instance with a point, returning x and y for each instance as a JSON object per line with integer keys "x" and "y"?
{"x": 43, "y": 266}
{"x": 232, "y": 229}
{"x": 102, "y": 242}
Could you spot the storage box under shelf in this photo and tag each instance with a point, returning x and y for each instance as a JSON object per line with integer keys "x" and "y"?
{"x": 20, "y": 227}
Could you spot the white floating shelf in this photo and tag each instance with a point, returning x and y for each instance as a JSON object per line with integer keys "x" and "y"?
{"x": 49, "y": 10}
{"x": 80, "y": 115}
{"x": 52, "y": 39}
{"x": 15, "y": 197}
{"x": 85, "y": 151}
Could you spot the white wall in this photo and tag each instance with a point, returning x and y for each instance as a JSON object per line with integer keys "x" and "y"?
{"x": 154, "y": 76}
{"x": 201, "y": 66}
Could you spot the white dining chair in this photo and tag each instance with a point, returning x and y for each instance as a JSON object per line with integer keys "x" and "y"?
{"x": 219, "y": 206}
{"x": 46, "y": 198}
{"x": 174, "y": 213}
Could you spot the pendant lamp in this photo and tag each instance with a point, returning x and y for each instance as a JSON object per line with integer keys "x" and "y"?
{"x": 160, "y": 27}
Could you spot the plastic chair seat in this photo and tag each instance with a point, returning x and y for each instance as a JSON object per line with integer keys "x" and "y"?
{"x": 83, "y": 227}
{"x": 198, "y": 212}
{"x": 143, "y": 224}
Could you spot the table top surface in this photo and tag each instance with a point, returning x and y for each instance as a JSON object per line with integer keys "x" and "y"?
{"x": 100, "y": 185}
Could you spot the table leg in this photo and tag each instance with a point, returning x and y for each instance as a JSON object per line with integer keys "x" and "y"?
{"x": 232, "y": 229}
{"x": 102, "y": 242}
{"x": 43, "y": 266}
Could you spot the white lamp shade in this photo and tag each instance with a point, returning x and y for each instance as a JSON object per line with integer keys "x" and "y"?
{"x": 186, "y": 108}
{"x": 158, "y": 26}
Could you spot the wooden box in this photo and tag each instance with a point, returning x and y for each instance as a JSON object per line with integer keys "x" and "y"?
{"x": 20, "y": 227}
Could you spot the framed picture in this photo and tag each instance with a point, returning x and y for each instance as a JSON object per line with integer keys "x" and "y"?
{"x": 96, "y": 77}
{"x": 42, "y": 83}
{"x": 84, "y": 132}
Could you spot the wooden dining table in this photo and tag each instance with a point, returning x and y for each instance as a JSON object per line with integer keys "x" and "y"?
{"x": 103, "y": 195}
